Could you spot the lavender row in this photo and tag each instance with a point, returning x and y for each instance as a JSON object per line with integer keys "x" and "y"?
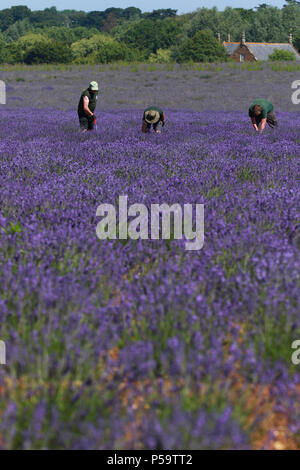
{"x": 141, "y": 344}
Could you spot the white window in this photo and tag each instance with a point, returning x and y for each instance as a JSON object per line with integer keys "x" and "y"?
{"x": 242, "y": 57}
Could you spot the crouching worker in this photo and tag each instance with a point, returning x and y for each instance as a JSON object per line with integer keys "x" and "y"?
{"x": 153, "y": 116}
{"x": 87, "y": 106}
{"x": 261, "y": 111}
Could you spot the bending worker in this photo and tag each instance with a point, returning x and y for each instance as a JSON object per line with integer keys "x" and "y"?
{"x": 261, "y": 111}
{"x": 153, "y": 116}
{"x": 86, "y": 107}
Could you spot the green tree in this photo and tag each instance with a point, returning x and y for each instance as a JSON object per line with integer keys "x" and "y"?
{"x": 47, "y": 52}
{"x": 131, "y": 13}
{"x": 114, "y": 52}
{"x": 162, "y": 56}
{"x": 2, "y": 49}
{"x": 47, "y": 17}
{"x": 116, "y": 11}
{"x": 29, "y": 40}
{"x": 100, "y": 48}
{"x": 203, "y": 19}
{"x": 232, "y": 22}
{"x": 12, "y": 53}
{"x": 6, "y": 19}
{"x": 296, "y": 40}
{"x": 160, "y": 14}
{"x": 267, "y": 26}
{"x": 292, "y": 2}
{"x": 147, "y": 35}
{"x": 68, "y": 35}
{"x": 20, "y": 12}
{"x": 109, "y": 22}
{"x": 202, "y": 47}
{"x": 73, "y": 18}
{"x": 15, "y": 51}
{"x": 18, "y": 29}
{"x": 291, "y": 18}
{"x": 246, "y": 15}
{"x": 94, "y": 19}
{"x": 280, "y": 54}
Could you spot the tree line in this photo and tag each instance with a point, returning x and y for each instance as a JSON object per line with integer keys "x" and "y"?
{"x": 118, "y": 34}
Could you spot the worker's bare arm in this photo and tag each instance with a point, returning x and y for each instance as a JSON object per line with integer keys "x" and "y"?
{"x": 162, "y": 122}
{"x": 254, "y": 123}
{"x": 86, "y": 106}
{"x": 262, "y": 125}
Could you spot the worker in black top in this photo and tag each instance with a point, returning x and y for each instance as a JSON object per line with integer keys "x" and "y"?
{"x": 153, "y": 116}
{"x": 86, "y": 107}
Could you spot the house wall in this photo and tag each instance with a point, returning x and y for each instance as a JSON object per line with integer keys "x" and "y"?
{"x": 242, "y": 49}
{"x": 295, "y": 50}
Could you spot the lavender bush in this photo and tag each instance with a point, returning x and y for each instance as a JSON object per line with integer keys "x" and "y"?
{"x": 140, "y": 344}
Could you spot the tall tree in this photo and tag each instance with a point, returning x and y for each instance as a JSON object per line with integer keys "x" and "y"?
{"x": 131, "y": 13}
{"x": 161, "y": 14}
{"x": 94, "y": 19}
{"x": 266, "y": 26}
{"x": 291, "y": 18}
{"x": 203, "y": 47}
{"x": 109, "y": 22}
{"x": 6, "y": 19}
{"x": 204, "y": 19}
{"x": 20, "y": 12}
{"x": 148, "y": 35}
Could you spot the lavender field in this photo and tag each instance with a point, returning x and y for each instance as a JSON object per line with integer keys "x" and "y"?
{"x": 123, "y": 344}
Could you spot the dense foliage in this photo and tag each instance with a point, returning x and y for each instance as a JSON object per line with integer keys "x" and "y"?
{"x": 47, "y": 52}
{"x": 282, "y": 55}
{"x": 100, "y": 48}
{"x": 149, "y": 36}
{"x": 144, "y": 33}
{"x": 202, "y": 47}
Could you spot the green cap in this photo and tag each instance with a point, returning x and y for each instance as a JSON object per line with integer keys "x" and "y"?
{"x": 94, "y": 86}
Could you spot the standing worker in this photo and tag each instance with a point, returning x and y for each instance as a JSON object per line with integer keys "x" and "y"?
{"x": 86, "y": 107}
{"x": 153, "y": 116}
{"x": 261, "y": 111}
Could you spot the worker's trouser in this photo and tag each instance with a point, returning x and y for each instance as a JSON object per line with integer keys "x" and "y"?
{"x": 86, "y": 122}
{"x": 271, "y": 119}
{"x": 146, "y": 126}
